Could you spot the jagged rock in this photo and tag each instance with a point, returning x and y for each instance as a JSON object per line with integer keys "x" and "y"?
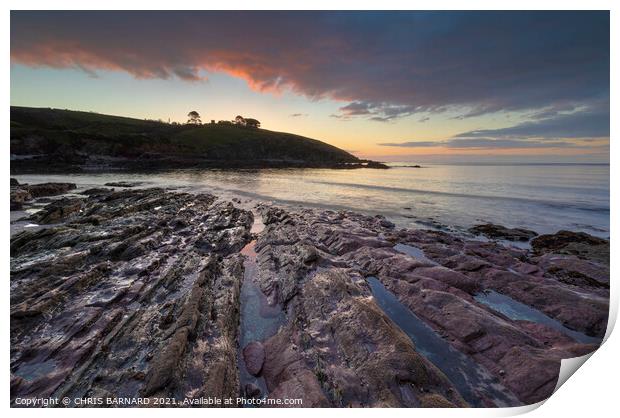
{"x": 22, "y": 193}
{"x": 18, "y": 198}
{"x": 579, "y": 244}
{"x": 341, "y": 350}
{"x": 57, "y": 211}
{"x": 437, "y": 281}
{"x": 501, "y": 232}
{"x": 136, "y": 308}
{"x": 308, "y": 253}
{"x": 575, "y": 271}
{"x": 450, "y": 277}
{"x": 48, "y": 189}
{"x": 384, "y": 222}
{"x": 137, "y": 293}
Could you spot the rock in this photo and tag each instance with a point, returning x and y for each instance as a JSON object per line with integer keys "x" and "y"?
{"x": 254, "y": 356}
{"x": 48, "y": 189}
{"x": 440, "y": 295}
{"x": 18, "y": 198}
{"x": 575, "y": 271}
{"x": 308, "y": 253}
{"x": 376, "y": 164}
{"x": 135, "y": 306}
{"x": 57, "y": 211}
{"x": 340, "y": 349}
{"x": 140, "y": 290}
{"x": 22, "y": 193}
{"x": 252, "y": 391}
{"x": 126, "y": 184}
{"x": 501, "y": 232}
{"x": 585, "y": 310}
{"x": 97, "y": 191}
{"x": 579, "y": 244}
{"x": 386, "y": 224}
{"x": 273, "y": 215}
{"x": 450, "y": 277}
{"x": 435, "y": 401}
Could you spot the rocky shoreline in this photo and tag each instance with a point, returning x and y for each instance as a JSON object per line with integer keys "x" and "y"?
{"x": 63, "y": 164}
{"x": 157, "y": 294}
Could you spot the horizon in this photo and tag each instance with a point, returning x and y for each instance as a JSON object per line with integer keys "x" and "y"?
{"x": 412, "y": 90}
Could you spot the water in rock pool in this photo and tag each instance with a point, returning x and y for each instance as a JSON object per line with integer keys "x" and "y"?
{"x": 518, "y": 311}
{"x": 413, "y": 251}
{"x": 544, "y": 198}
{"x": 259, "y": 320}
{"x": 473, "y": 381}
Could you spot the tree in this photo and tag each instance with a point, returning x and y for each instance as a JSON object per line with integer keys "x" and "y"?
{"x": 252, "y": 123}
{"x": 194, "y": 118}
{"x": 239, "y": 120}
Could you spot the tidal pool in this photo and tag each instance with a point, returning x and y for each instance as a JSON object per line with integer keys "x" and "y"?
{"x": 258, "y": 319}
{"x": 413, "y": 251}
{"x": 473, "y": 381}
{"x": 520, "y": 312}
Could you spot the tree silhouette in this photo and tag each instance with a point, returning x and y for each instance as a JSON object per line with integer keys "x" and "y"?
{"x": 240, "y": 120}
{"x": 252, "y": 123}
{"x": 194, "y": 118}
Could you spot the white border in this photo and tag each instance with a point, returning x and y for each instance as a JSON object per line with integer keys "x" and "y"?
{"x": 592, "y": 392}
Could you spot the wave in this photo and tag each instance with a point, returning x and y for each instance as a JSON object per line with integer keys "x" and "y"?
{"x": 550, "y": 203}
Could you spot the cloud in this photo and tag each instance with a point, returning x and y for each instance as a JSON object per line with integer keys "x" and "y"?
{"x": 584, "y": 124}
{"x": 483, "y": 143}
{"x": 414, "y": 144}
{"x": 341, "y": 117}
{"x": 557, "y": 130}
{"x": 385, "y": 65}
{"x": 298, "y": 115}
{"x": 355, "y": 109}
{"x": 379, "y": 112}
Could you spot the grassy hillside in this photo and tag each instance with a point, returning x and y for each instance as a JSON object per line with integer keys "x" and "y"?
{"x": 74, "y": 137}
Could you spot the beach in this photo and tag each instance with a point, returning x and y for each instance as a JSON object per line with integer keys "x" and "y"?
{"x": 132, "y": 290}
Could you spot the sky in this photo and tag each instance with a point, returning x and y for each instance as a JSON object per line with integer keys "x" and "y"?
{"x": 395, "y": 86}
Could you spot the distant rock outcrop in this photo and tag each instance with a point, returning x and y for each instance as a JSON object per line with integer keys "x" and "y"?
{"x": 501, "y": 232}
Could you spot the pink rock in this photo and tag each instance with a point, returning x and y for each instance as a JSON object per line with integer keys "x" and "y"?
{"x": 254, "y": 357}
{"x": 450, "y": 277}
{"x": 575, "y": 271}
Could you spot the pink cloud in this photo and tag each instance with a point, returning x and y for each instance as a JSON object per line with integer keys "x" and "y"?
{"x": 391, "y": 64}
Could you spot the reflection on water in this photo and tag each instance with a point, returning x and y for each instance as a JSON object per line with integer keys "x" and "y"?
{"x": 519, "y": 311}
{"x": 258, "y": 320}
{"x": 413, "y": 251}
{"x": 544, "y": 198}
{"x": 471, "y": 380}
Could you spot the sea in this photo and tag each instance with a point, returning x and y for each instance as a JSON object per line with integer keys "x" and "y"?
{"x": 542, "y": 197}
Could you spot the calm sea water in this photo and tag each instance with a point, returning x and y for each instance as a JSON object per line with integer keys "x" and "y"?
{"x": 545, "y": 198}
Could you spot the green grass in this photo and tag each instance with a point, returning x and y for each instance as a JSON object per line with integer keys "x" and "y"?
{"x": 36, "y": 129}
